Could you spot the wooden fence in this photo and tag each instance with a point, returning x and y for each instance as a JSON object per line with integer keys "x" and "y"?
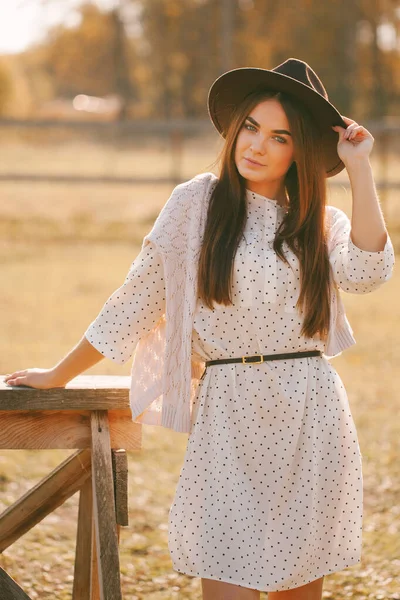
{"x": 385, "y": 131}
{"x": 91, "y": 414}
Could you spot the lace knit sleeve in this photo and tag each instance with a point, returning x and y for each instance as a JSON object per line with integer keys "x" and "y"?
{"x": 355, "y": 270}
{"x": 132, "y": 310}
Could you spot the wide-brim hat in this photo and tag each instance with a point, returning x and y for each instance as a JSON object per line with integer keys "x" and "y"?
{"x": 293, "y": 77}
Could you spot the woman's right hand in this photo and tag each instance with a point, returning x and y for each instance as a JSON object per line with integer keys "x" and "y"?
{"x": 42, "y": 379}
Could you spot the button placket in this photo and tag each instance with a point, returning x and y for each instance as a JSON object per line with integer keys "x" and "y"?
{"x": 270, "y": 257}
{"x": 245, "y": 280}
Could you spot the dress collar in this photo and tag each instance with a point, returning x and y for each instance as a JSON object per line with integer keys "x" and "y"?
{"x": 254, "y": 196}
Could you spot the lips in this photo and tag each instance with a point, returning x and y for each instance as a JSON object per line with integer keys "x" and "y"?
{"x": 253, "y": 162}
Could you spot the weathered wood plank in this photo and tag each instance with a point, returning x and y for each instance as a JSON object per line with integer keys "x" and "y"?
{"x": 94, "y": 571}
{"x": 25, "y": 430}
{"x": 9, "y": 589}
{"x": 120, "y": 474}
{"x": 104, "y": 509}
{"x": 45, "y": 497}
{"x": 84, "y": 392}
{"x": 82, "y": 568}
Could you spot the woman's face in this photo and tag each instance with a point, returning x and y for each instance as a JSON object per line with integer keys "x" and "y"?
{"x": 264, "y": 149}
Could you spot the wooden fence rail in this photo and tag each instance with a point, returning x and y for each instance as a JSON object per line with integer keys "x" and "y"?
{"x": 91, "y": 414}
{"x": 385, "y": 130}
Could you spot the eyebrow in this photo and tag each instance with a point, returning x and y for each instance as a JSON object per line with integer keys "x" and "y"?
{"x": 273, "y": 131}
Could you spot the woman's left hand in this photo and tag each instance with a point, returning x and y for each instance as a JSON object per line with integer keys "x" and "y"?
{"x": 354, "y": 143}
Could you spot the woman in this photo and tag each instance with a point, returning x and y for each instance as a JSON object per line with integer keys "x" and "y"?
{"x": 232, "y": 347}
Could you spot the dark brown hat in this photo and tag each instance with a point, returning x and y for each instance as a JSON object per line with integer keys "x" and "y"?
{"x": 294, "y": 77}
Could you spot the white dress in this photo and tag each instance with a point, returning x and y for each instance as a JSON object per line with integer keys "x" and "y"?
{"x": 270, "y": 495}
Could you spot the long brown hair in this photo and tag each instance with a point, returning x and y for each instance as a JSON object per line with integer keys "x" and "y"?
{"x": 303, "y": 227}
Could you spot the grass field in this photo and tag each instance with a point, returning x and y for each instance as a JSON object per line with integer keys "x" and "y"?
{"x": 63, "y": 252}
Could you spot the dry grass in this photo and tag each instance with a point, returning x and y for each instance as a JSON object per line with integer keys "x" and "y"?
{"x": 54, "y": 283}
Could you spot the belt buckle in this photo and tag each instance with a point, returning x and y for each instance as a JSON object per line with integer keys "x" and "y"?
{"x": 253, "y": 362}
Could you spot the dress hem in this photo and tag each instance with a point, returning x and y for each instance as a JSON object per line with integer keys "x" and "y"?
{"x": 251, "y": 586}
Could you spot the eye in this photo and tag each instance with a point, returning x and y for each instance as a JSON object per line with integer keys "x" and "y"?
{"x": 282, "y": 140}
{"x": 249, "y": 127}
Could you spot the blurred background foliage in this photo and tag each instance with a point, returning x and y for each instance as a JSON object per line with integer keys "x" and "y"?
{"x": 160, "y": 56}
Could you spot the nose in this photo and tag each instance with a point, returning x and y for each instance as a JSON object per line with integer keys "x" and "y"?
{"x": 258, "y": 144}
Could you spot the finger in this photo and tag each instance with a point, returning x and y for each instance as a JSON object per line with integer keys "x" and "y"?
{"x": 347, "y": 120}
{"x": 356, "y": 131}
{"x": 19, "y": 373}
{"x": 349, "y": 132}
{"x": 341, "y": 131}
{"x": 19, "y": 380}
{"x": 351, "y": 127}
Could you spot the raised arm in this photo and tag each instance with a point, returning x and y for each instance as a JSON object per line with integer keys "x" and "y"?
{"x": 360, "y": 252}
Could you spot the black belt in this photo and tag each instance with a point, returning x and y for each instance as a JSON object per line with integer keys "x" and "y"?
{"x": 259, "y": 358}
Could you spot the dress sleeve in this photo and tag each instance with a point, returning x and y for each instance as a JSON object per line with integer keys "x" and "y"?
{"x": 132, "y": 310}
{"x": 355, "y": 270}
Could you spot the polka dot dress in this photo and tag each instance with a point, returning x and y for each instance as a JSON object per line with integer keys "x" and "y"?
{"x": 270, "y": 495}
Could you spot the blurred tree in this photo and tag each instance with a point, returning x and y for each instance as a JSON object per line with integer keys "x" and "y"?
{"x": 6, "y": 87}
{"x": 40, "y": 81}
{"x": 18, "y": 102}
{"x": 305, "y": 29}
{"x": 91, "y": 58}
{"x": 183, "y": 49}
{"x": 161, "y": 56}
{"x": 359, "y": 71}
{"x": 379, "y": 56}
{"x": 123, "y": 84}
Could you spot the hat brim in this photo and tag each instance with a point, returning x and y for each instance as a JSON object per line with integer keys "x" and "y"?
{"x": 231, "y": 88}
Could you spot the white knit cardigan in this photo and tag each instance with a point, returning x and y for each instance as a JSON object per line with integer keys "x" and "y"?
{"x": 164, "y": 375}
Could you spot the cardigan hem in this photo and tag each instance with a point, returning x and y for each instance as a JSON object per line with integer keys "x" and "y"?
{"x": 174, "y": 418}
{"x": 169, "y": 416}
{"x": 343, "y": 339}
